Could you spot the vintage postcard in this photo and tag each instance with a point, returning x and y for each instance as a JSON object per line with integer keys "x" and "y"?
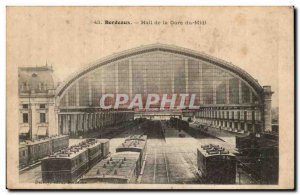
{"x": 150, "y": 98}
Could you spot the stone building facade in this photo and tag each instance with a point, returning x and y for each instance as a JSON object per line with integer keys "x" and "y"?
{"x": 36, "y": 102}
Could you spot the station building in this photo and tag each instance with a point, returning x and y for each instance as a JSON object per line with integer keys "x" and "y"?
{"x": 228, "y": 97}
{"x": 36, "y": 102}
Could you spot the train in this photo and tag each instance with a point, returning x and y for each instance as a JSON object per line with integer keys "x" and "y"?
{"x": 31, "y": 152}
{"x": 140, "y": 120}
{"x": 178, "y": 123}
{"x": 124, "y": 166}
{"x": 67, "y": 165}
{"x": 258, "y": 156}
{"x": 216, "y": 165}
{"x": 259, "y": 139}
{"x": 95, "y": 150}
{"x": 134, "y": 145}
{"x": 121, "y": 167}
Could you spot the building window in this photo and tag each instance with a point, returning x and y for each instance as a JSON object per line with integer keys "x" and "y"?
{"x": 24, "y": 86}
{"x": 249, "y": 115}
{"x": 42, "y": 106}
{"x": 41, "y": 86}
{"x": 25, "y": 106}
{"x": 25, "y": 117}
{"x": 242, "y": 115}
{"x": 257, "y": 116}
{"x": 42, "y": 117}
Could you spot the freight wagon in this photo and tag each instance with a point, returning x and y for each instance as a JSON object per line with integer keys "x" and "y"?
{"x": 31, "y": 152}
{"x": 23, "y": 155}
{"x": 258, "y": 156}
{"x": 134, "y": 145}
{"x": 121, "y": 167}
{"x": 104, "y": 147}
{"x": 216, "y": 165}
{"x": 59, "y": 142}
{"x": 67, "y": 165}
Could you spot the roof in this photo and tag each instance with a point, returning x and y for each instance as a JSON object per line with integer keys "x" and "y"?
{"x": 213, "y": 150}
{"x": 137, "y": 137}
{"x": 91, "y": 143}
{"x": 119, "y": 165}
{"x": 68, "y": 153}
{"x": 36, "y": 79}
{"x": 59, "y": 136}
{"x": 163, "y": 48}
{"x": 38, "y": 141}
{"x": 138, "y": 144}
{"x": 75, "y": 150}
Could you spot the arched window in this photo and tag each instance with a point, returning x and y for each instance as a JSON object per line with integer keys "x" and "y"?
{"x": 24, "y": 86}
{"x": 41, "y": 86}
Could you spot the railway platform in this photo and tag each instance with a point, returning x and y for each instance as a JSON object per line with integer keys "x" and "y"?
{"x": 226, "y": 136}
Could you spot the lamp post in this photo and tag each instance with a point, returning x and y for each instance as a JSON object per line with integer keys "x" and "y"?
{"x": 30, "y": 117}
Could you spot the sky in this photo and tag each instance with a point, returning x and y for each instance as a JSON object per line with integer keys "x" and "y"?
{"x": 68, "y": 38}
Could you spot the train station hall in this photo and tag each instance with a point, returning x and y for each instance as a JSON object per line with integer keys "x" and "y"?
{"x": 179, "y": 109}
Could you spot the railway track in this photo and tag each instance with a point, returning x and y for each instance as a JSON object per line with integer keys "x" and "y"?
{"x": 155, "y": 163}
{"x": 167, "y": 169}
{"x": 169, "y": 158}
{"x": 192, "y": 165}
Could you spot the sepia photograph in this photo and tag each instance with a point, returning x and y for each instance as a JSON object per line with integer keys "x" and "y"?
{"x": 150, "y": 97}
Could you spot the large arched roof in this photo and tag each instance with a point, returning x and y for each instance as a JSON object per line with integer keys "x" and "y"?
{"x": 162, "y": 48}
